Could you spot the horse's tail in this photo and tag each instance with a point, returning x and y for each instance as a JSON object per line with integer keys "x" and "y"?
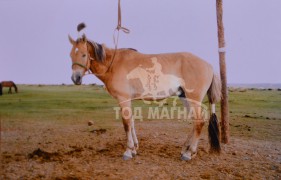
{"x": 16, "y": 88}
{"x": 214, "y": 96}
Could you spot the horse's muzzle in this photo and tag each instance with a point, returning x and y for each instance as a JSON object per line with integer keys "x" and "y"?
{"x": 76, "y": 78}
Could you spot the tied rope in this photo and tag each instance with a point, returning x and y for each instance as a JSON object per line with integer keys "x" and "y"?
{"x": 118, "y": 28}
{"x": 119, "y": 25}
{"x": 115, "y": 39}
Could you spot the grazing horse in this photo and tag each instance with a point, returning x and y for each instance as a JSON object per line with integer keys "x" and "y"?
{"x": 9, "y": 84}
{"x": 115, "y": 68}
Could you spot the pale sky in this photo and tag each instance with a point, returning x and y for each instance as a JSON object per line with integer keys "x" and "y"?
{"x": 34, "y": 48}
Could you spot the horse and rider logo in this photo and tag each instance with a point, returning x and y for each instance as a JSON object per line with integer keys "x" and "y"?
{"x": 153, "y": 75}
{"x": 153, "y": 82}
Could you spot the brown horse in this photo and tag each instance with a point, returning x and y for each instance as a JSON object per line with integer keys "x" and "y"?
{"x": 9, "y": 84}
{"x": 128, "y": 74}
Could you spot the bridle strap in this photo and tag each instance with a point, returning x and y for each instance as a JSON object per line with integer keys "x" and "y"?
{"x": 83, "y": 66}
{"x": 78, "y": 64}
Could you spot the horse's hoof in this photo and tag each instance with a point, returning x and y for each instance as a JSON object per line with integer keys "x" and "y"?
{"x": 134, "y": 154}
{"x": 125, "y": 157}
{"x": 185, "y": 158}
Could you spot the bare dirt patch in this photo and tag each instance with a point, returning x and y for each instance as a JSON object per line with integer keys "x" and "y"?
{"x": 77, "y": 152}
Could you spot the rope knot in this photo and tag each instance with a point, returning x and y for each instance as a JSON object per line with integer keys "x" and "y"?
{"x": 125, "y": 30}
{"x": 119, "y": 26}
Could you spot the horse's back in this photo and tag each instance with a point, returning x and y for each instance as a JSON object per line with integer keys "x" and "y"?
{"x": 7, "y": 83}
{"x": 167, "y": 58}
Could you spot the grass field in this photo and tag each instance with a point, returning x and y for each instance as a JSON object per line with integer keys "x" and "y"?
{"x": 72, "y": 104}
{"x": 27, "y": 117}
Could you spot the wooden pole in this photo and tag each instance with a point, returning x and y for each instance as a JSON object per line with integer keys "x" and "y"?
{"x": 224, "y": 101}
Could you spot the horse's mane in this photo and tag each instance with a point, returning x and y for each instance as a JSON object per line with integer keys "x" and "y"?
{"x": 132, "y": 49}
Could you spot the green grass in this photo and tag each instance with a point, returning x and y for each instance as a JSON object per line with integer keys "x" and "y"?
{"x": 254, "y": 113}
{"x": 51, "y": 103}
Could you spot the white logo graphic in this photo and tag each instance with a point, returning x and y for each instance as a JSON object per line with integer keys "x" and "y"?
{"x": 156, "y": 85}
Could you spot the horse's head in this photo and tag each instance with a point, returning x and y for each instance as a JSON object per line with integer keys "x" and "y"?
{"x": 80, "y": 59}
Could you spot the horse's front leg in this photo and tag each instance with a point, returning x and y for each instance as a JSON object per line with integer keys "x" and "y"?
{"x": 128, "y": 123}
{"x": 136, "y": 142}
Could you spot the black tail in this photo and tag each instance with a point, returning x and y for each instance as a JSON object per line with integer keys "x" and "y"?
{"x": 214, "y": 134}
{"x": 0, "y": 89}
{"x": 214, "y": 95}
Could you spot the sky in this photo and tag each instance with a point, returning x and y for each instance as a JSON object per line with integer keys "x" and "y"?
{"x": 34, "y": 48}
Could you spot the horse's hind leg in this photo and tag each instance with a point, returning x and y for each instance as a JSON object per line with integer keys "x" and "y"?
{"x": 190, "y": 146}
{"x": 10, "y": 90}
{"x": 128, "y": 123}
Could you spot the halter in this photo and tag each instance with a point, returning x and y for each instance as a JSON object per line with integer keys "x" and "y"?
{"x": 81, "y": 65}
{"x": 89, "y": 59}
{"x": 84, "y": 66}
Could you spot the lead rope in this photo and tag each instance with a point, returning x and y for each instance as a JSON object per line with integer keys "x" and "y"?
{"x": 118, "y": 28}
{"x": 115, "y": 39}
{"x": 119, "y": 25}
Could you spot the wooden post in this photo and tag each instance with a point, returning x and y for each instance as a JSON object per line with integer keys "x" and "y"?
{"x": 224, "y": 101}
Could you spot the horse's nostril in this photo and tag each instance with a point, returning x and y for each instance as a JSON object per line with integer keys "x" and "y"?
{"x": 76, "y": 78}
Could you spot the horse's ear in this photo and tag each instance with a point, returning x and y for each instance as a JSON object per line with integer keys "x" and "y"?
{"x": 71, "y": 40}
{"x": 84, "y": 38}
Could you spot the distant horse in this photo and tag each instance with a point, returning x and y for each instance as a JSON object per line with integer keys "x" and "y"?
{"x": 9, "y": 84}
{"x": 117, "y": 68}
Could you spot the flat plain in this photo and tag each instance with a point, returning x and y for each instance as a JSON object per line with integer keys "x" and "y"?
{"x": 45, "y": 135}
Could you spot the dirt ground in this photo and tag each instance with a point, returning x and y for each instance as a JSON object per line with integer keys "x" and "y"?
{"x": 48, "y": 151}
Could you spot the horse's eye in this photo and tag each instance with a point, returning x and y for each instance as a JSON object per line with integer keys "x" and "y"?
{"x": 84, "y": 55}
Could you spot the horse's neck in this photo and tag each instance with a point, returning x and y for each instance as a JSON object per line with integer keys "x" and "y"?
{"x": 103, "y": 69}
